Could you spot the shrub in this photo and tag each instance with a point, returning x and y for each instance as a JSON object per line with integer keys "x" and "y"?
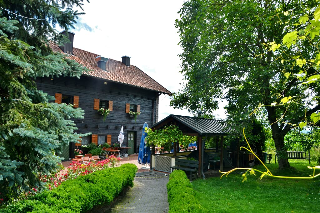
{"x": 105, "y": 145}
{"x": 80, "y": 194}
{"x": 96, "y": 151}
{"x": 181, "y": 195}
{"x": 315, "y": 154}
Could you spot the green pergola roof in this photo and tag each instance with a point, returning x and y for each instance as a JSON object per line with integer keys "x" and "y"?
{"x": 201, "y": 126}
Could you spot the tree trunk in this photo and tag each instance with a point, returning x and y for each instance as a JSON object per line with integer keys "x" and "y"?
{"x": 281, "y": 150}
{"x": 278, "y": 133}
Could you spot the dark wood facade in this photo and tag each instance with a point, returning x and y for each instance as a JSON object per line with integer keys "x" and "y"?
{"x": 89, "y": 92}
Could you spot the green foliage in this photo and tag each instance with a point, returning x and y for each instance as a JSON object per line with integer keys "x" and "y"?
{"x": 227, "y": 53}
{"x": 296, "y": 41}
{"x": 315, "y": 154}
{"x": 180, "y": 194}
{"x": 96, "y": 151}
{"x": 91, "y": 146}
{"x": 105, "y": 145}
{"x": 168, "y": 135}
{"x": 134, "y": 114}
{"x": 269, "y": 143}
{"x": 301, "y": 141}
{"x": 256, "y": 137}
{"x": 210, "y": 142}
{"x": 267, "y": 172}
{"x": 38, "y": 19}
{"x": 304, "y": 141}
{"x": 266, "y": 195}
{"x": 104, "y": 112}
{"x": 80, "y": 194}
{"x": 116, "y": 144}
{"x": 32, "y": 129}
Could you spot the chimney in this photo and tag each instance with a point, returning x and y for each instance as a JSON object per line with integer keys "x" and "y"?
{"x": 68, "y": 47}
{"x": 126, "y": 60}
{"x": 102, "y": 62}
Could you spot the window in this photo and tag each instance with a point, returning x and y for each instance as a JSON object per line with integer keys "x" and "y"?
{"x": 67, "y": 99}
{"x": 85, "y": 140}
{"x": 132, "y": 108}
{"x": 106, "y": 104}
{"x": 101, "y": 139}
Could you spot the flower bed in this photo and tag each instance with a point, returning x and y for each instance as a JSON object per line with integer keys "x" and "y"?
{"x": 180, "y": 194}
{"x": 80, "y": 194}
{"x": 77, "y": 169}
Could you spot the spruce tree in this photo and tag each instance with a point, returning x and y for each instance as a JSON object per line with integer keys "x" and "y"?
{"x": 33, "y": 129}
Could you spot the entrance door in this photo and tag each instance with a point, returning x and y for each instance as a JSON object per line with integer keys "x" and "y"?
{"x": 131, "y": 143}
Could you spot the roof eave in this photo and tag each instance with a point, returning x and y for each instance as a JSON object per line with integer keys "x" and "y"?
{"x": 103, "y": 79}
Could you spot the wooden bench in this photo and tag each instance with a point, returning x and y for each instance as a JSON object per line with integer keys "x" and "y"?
{"x": 115, "y": 152}
{"x": 190, "y": 166}
{"x": 293, "y": 155}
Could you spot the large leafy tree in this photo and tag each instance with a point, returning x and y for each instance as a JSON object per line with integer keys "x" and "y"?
{"x": 228, "y": 53}
{"x": 32, "y": 128}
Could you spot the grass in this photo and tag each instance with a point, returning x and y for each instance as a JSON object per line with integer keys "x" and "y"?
{"x": 230, "y": 194}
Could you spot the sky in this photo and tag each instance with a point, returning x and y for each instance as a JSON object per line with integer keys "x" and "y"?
{"x": 145, "y": 31}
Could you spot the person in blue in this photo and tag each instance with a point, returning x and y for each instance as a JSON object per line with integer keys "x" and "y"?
{"x": 144, "y": 150}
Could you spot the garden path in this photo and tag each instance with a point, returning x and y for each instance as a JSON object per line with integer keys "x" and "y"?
{"x": 149, "y": 193}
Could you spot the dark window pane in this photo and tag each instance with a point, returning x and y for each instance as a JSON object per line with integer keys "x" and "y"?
{"x": 133, "y": 107}
{"x": 67, "y": 99}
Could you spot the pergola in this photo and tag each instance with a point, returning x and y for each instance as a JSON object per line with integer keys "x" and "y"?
{"x": 199, "y": 127}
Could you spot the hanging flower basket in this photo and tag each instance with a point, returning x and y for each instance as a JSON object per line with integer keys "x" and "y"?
{"x": 104, "y": 112}
{"x": 134, "y": 114}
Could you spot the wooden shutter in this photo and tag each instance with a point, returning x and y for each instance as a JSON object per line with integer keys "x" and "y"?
{"x": 94, "y": 139}
{"x": 138, "y": 108}
{"x": 111, "y": 105}
{"x": 58, "y": 97}
{"x": 127, "y": 108}
{"x": 109, "y": 139}
{"x": 78, "y": 144}
{"x": 75, "y": 101}
{"x": 96, "y": 104}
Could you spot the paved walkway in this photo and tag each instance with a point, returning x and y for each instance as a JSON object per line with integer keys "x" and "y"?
{"x": 149, "y": 193}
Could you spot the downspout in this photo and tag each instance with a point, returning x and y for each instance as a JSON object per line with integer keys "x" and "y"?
{"x": 199, "y": 143}
{"x": 202, "y": 150}
{"x": 221, "y": 154}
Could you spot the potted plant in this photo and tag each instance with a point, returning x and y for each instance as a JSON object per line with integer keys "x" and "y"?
{"x": 85, "y": 149}
{"x": 134, "y": 114}
{"x": 78, "y": 152}
{"x": 96, "y": 151}
{"x": 104, "y": 112}
{"x": 105, "y": 146}
{"x": 116, "y": 145}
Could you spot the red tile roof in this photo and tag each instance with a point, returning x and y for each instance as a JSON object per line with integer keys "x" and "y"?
{"x": 115, "y": 71}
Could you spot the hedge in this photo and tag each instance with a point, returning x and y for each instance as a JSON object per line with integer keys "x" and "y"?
{"x": 181, "y": 195}
{"x": 80, "y": 194}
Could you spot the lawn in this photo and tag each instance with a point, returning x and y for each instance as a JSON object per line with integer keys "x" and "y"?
{"x": 230, "y": 194}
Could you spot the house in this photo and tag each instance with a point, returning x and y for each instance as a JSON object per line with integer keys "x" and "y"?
{"x": 110, "y": 84}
